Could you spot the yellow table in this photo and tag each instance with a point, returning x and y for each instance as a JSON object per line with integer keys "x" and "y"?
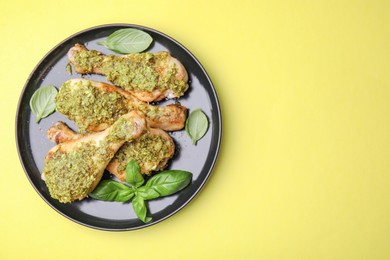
{"x": 304, "y": 167}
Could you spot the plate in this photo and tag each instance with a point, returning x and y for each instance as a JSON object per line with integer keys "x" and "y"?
{"x": 33, "y": 144}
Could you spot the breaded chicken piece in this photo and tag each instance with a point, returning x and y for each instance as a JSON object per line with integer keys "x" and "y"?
{"x": 152, "y": 150}
{"x": 147, "y": 76}
{"x": 73, "y": 169}
{"x": 94, "y": 106}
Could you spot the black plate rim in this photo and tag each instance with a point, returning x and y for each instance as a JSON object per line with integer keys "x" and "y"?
{"x": 214, "y": 97}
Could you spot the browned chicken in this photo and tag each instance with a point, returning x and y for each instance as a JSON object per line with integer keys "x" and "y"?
{"x": 147, "y": 76}
{"x": 94, "y": 106}
{"x": 73, "y": 169}
{"x": 152, "y": 150}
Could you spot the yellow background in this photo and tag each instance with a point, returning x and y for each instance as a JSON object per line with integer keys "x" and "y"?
{"x": 304, "y": 168}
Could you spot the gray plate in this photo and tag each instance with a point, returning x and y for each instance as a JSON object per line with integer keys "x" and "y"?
{"x": 33, "y": 145}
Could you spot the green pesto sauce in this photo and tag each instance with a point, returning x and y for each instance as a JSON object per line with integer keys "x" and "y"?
{"x": 86, "y": 105}
{"x": 138, "y": 71}
{"x": 70, "y": 175}
{"x": 150, "y": 111}
{"x": 122, "y": 130}
{"x": 135, "y": 71}
{"x": 88, "y": 60}
{"x": 149, "y": 151}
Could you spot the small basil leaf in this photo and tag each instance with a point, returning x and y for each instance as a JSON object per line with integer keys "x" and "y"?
{"x": 169, "y": 182}
{"x": 196, "y": 125}
{"x": 127, "y": 41}
{"x": 42, "y": 102}
{"x": 110, "y": 190}
{"x": 140, "y": 209}
{"x": 147, "y": 193}
{"x": 133, "y": 174}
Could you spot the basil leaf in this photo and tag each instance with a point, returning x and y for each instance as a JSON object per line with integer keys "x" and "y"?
{"x": 110, "y": 190}
{"x": 196, "y": 125}
{"x": 42, "y": 101}
{"x": 133, "y": 174}
{"x": 169, "y": 182}
{"x": 147, "y": 193}
{"x": 140, "y": 209}
{"x": 127, "y": 41}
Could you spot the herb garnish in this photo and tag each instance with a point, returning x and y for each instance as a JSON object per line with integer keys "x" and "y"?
{"x": 42, "y": 102}
{"x": 196, "y": 125}
{"x": 127, "y": 40}
{"x": 162, "y": 184}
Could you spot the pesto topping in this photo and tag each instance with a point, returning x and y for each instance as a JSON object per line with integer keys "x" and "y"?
{"x": 122, "y": 130}
{"x": 151, "y": 112}
{"x": 87, "y": 105}
{"x": 70, "y": 175}
{"x": 88, "y": 60}
{"x": 137, "y": 71}
{"x": 149, "y": 151}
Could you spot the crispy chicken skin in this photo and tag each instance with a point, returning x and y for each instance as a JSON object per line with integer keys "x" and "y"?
{"x": 73, "y": 168}
{"x": 152, "y": 150}
{"x": 94, "y": 106}
{"x": 147, "y": 76}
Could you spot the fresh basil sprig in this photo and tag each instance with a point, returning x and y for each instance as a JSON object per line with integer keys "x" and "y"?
{"x": 127, "y": 40}
{"x": 196, "y": 125}
{"x": 42, "y": 102}
{"x": 162, "y": 184}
